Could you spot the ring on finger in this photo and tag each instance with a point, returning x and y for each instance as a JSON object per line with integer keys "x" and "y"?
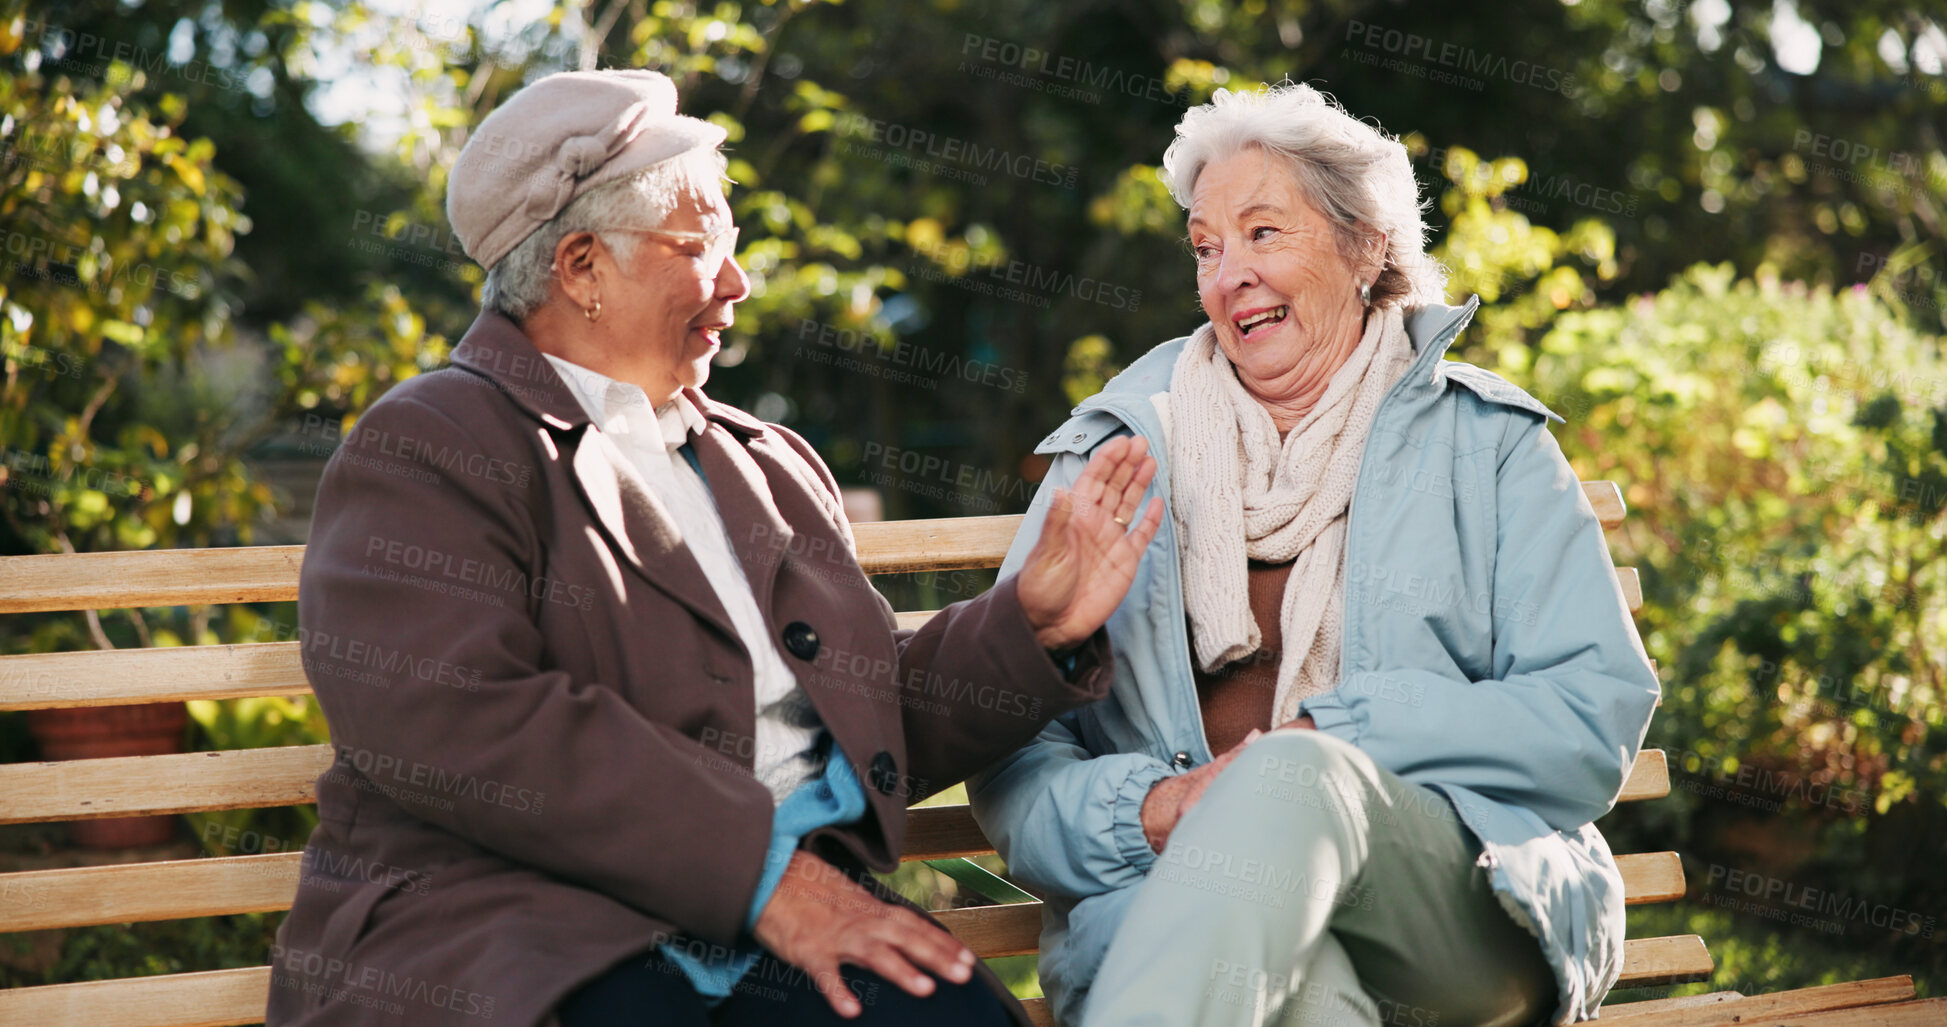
{"x": 1121, "y": 520}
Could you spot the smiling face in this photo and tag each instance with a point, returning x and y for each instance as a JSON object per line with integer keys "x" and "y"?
{"x": 671, "y": 308}
{"x": 1283, "y": 301}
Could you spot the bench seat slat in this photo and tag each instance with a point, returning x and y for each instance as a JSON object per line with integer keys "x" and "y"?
{"x": 1613, "y": 1011}
{"x": 180, "y": 577}
{"x": 125, "y": 786}
{"x": 1923, "y": 1013}
{"x": 39, "y": 900}
{"x": 1706, "y": 1011}
{"x": 223, "y": 998}
{"x": 216, "y": 998}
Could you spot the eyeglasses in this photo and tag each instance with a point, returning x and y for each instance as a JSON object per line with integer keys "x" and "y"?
{"x": 716, "y": 246}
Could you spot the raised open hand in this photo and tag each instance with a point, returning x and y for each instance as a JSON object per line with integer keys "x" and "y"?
{"x": 1090, "y": 544}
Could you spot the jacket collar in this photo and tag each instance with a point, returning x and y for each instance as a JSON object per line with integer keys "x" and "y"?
{"x": 637, "y": 525}
{"x": 739, "y": 423}
{"x": 496, "y": 349}
{"x": 1432, "y": 328}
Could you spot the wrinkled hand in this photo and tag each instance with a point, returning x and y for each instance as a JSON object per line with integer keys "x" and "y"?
{"x": 1172, "y": 798}
{"x": 819, "y": 919}
{"x": 1090, "y": 545}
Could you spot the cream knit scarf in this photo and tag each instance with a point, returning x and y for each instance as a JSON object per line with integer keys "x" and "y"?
{"x": 1240, "y": 495}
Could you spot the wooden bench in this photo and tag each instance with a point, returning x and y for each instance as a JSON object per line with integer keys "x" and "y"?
{"x": 129, "y": 786}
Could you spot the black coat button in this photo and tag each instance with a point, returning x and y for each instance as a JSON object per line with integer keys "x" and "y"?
{"x": 800, "y": 640}
{"x": 1181, "y": 759}
{"x": 884, "y": 773}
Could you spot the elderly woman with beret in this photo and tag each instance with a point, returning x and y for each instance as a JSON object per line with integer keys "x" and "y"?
{"x": 1375, "y": 676}
{"x": 619, "y": 719}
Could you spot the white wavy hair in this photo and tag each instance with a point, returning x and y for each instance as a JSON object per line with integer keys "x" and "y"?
{"x": 1349, "y": 171}
{"x": 517, "y": 286}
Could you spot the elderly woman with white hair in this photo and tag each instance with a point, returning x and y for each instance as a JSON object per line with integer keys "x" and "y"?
{"x": 1374, "y": 678}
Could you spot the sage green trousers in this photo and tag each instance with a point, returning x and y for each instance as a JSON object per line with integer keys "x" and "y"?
{"x": 1309, "y": 886}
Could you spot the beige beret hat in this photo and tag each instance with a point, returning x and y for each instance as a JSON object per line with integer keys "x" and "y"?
{"x": 555, "y": 140}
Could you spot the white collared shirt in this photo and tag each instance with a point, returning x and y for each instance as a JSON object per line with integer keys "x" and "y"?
{"x": 788, "y": 728}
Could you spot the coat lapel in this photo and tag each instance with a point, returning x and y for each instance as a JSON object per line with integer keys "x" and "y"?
{"x": 640, "y": 528}
{"x": 635, "y": 523}
{"x": 758, "y": 533}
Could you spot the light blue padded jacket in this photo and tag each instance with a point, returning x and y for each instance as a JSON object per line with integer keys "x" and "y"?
{"x": 1488, "y": 654}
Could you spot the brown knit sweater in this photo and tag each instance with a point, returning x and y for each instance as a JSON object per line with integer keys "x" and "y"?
{"x": 1238, "y": 696}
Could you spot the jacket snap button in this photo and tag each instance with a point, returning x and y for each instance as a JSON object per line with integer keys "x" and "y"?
{"x": 1079, "y": 436}
{"x": 884, "y": 773}
{"x": 800, "y": 640}
{"x": 1181, "y": 759}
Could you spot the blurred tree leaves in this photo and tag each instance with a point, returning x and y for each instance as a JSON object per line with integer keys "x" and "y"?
{"x": 121, "y": 234}
{"x": 197, "y": 262}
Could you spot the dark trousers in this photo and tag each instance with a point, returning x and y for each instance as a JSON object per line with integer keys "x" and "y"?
{"x": 644, "y": 990}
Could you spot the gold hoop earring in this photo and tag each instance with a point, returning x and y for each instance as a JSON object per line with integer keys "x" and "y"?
{"x": 593, "y": 313}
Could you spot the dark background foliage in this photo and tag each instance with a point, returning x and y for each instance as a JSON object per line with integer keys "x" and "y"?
{"x": 1722, "y": 266}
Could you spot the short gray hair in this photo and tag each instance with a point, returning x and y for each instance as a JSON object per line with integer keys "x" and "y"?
{"x": 1351, "y": 172}
{"x": 517, "y": 286}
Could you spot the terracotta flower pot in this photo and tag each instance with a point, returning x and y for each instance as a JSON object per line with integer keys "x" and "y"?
{"x": 92, "y": 732}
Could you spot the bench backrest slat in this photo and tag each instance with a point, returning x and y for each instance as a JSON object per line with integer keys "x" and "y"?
{"x": 222, "y": 885}
{"x": 127, "y": 786}
{"x": 148, "y": 577}
{"x": 42, "y": 681}
{"x": 179, "y": 577}
{"x": 39, "y": 681}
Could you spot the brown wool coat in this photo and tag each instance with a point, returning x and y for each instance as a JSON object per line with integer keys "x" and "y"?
{"x": 544, "y": 720}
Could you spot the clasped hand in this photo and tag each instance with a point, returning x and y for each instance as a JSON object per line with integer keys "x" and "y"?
{"x": 1172, "y": 798}
{"x": 818, "y": 919}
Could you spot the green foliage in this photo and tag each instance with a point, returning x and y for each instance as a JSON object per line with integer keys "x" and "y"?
{"x": 255, "y": 724}
{"x": 203, "y": 264}
{"x": 1087, "y": 368}
{"x": 128, "y": 229}
{"x": 131, "y": 387}
{"x": 1780, "y": 445}
{"x": 1783, "y": 448}
{"x": 140, "y": 950}
{"x": 1754, "y": 958}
